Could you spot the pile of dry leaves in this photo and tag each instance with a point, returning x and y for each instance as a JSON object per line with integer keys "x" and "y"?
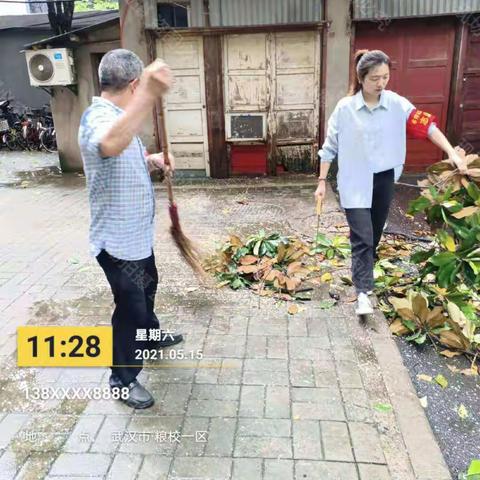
{"x": 277, "y": 266}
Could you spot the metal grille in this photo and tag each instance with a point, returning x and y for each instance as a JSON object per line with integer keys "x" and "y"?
{"x": 227, "y": 13}
{"x": 374, "y": 9}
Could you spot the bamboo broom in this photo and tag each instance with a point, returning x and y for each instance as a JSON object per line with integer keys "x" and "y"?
{"x": 183, "y": 243}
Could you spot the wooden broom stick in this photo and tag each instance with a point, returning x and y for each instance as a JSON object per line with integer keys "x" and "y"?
{"x": 183, "y": 243}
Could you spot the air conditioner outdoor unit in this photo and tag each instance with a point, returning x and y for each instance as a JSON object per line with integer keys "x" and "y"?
{"x": 246, "y": 127}
{"x": 50, "y": 67}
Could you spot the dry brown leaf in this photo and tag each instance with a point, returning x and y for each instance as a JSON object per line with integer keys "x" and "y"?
{"x": 248, "y": 268}
{"x": 281, "y": 251}
{"x": 236, "y": 241}
{"x": 294, "y": 267}
{"x": 296, "y": 255}
{"x": 450, "y": 353}
{"x": 248, "y": 260}
{"x": 271, "y": 275}
{"x": 466, "y": 212}
{"x": 398, "y": 328}
{"x": 424, "y": 378}
{"x": 293, "y": 309}
{"x": 452, "y": 340}
{"x": 292, "y": 283}
{"x": 470, "y": 372}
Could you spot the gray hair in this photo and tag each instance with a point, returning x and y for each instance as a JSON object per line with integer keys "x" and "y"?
{"x": 118, "y": 68}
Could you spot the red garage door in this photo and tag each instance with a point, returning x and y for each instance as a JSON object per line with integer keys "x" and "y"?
{"x": 422, "y": 52}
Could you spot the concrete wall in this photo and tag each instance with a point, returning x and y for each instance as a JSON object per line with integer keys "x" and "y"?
{"x": 134, "y": 38}
{"x": 338, "y": 53}
{"x": 13, "y": 70}
{"x": 67, "y": 107}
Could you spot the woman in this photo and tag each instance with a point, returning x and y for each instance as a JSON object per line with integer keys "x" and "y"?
{"x": 367, "y": 132}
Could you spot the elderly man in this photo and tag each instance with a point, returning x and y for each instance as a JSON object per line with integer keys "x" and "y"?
{"x": 122, "y": 208}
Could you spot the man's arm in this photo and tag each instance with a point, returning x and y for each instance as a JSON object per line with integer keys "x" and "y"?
{"x": 155, "y": 81}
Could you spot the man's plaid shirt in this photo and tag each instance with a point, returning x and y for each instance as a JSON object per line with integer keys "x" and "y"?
{"x": 122, "y": 203}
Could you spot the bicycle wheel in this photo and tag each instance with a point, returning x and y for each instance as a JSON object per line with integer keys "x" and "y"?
{"x": 48, "y": 140}
{"x": 9, "y": 140}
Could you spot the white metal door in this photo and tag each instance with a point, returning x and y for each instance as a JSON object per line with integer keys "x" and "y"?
{"x": 185, "y": 103}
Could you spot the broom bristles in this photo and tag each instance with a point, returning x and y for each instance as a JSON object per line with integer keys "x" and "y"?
{"x": 183, "y": 243}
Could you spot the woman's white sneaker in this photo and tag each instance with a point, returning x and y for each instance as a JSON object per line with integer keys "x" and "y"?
{"x": 364, "y": 306}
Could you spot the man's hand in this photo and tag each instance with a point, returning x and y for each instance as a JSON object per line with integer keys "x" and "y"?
{"x": 156, "y": 161}
{"x": 156, "y": 79}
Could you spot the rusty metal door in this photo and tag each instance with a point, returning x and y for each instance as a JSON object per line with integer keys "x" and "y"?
{"x": 185, "y": 103}
{"x": 422, "y": 53}
{"x": 278, "y": 75}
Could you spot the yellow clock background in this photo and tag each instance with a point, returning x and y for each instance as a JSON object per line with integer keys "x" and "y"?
{"x": 61, "y": 356}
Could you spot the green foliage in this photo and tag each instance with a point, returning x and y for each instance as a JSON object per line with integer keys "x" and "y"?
{"x": 449, "y": 271}
{"x": 100, "y": 5}
{"x": 331, "y": 247}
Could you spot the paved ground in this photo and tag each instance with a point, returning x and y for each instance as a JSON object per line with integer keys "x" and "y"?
{"x": 20, "y": 168}
{"x": 279, "y": 397}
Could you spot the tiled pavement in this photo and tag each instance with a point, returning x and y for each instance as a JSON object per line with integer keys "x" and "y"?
{"x": 275, "y": 397}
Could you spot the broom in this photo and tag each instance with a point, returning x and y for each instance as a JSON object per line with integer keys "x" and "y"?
{"x": 183, "y": 243}
{"x": 318, "y": 211}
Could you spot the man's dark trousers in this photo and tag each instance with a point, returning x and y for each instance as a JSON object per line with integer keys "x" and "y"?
{"x": 134, "y": 285}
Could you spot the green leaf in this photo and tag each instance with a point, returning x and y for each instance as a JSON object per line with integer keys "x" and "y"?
{"x": 462, "y": 411}
{"x": 420, "y": 340}
{"x": 473, "y": 191}
{"x": 446, "y": 275}
{"x": 327, "y": 304}
{"x": 446, "y": 240}
{"x": 418, "y": 205}
{"x": 441, "y": 380}
{"x": 410, "y": 324}
{"x": 474, "y": 468}
{"x": 236, "y": 284}
{"x": 422, "y": 256}
{"x": 442, "y": 259}
{"x": 383, "y": 407}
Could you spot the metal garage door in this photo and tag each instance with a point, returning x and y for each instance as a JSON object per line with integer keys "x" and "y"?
{"x": 422, "y": 52}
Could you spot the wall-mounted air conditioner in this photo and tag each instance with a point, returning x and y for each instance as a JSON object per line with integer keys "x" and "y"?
{"x": 50, "y": 67}
{"x": 246, "y": 126}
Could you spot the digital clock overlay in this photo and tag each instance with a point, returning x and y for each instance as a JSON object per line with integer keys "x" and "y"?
{"x": 64, "y": 346}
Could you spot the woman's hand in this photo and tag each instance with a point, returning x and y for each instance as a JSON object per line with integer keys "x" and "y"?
{"x": 156, "y": 161}
{"x": 459, "y": 160}
{"x": 320, "y": 191}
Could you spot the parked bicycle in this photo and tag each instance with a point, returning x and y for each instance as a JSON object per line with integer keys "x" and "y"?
{"x": 10, "y": 127}
{"x": 34, "y": 130}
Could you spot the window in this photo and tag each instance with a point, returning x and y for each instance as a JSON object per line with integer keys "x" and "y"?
{"x": 172, "y": 15}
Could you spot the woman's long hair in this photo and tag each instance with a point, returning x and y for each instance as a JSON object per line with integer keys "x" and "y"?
{"x": 363, "y": 62}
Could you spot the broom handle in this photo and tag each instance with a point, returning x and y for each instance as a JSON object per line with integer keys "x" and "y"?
{"x": 166, "y": 159}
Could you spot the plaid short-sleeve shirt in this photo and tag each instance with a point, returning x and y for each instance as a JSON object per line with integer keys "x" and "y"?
{"x": 122, "y": 202}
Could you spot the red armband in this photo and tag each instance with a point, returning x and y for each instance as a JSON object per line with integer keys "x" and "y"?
{"x": 418, "y": 123}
